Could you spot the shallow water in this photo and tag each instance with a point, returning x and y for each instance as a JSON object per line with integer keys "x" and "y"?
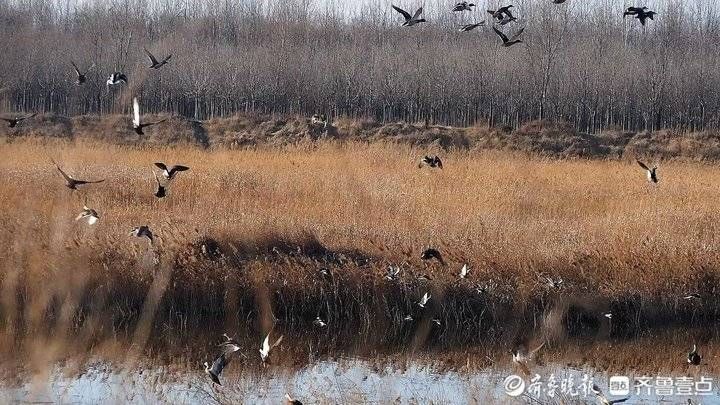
{"x": 407, "y": 378}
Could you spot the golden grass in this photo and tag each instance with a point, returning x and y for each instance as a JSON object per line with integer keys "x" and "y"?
{"x": 599, "y": 225}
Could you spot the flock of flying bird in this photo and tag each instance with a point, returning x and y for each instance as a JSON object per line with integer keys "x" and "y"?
{"x": 231, "y": 347}
{"x": 503, "y": 16}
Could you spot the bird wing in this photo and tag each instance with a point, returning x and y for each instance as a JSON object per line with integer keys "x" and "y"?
{"x": 152, "y": 58}
{"x": 532, "y": 353}
{"x": 438, "y": 162}
{"x": 517, "y": 34}
{"x": 26, "y": 117}
{"x": 177, "y": 168}
{"x": 219, "y": 364}
{"x": 417, "y": 13}
{"x": 266, "y": 344}
{"x": 121, "y": 77}
{"x": 403, "y": 12}
{"x": 161, "y": 166}
{"x": 167, "y": 58}
{"x": 277, "y": 342}
{"x": 508, "y": 13}
{"x": 147, "y": 124}
{"x": 79, "y": 182}
{"x": 67, "y": 178}
{"x": 7, "y": 119}
{"x": 76, "y": 68}
{"x": 643, "y": 165}
{"x": 136, "y": 112}
{"x": 617, "y": 401}
{"x": 501, "y": 35}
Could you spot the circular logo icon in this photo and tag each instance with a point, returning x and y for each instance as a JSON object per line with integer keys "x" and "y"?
{"x": 514, "y": 385}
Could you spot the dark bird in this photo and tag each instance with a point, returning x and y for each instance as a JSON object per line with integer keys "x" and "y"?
{"x": 410, "y": 20}
{"x": 230, "y": 350}
{"x": 430, "y": 254}
{"x": 170, "y": 173}
{"x": 558, "y": 1}
{"x": 229, "y": 342}
{"x": 470, "y": 27}
{"x": 502, "y": 12}
{"x": 694, "y": 357}
{"x": 509, "y": 42}
{"x": 142, "y": 231}
{"x": 462, "y": 6}
{"x": 137, "y": 126}
{"x": 154, "y": 62}
{"x": 81, "y": 77}
{"x": 644, "y": 15}
{"x": 431, "y": 161}
{"x": 506, "y": 20}
{"x": 161, "y": 190}
{"x": 71, "y": 183}
{"x": 116, "y": 78}
{"x": 12, "y": 122}
{"x": 651, "y": 173}
{"x": 634, "y": 11}
{"x": 603, "y": 399}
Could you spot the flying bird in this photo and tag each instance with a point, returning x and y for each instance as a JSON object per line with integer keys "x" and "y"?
{"x": 558, "y": 1}
{"x": 266, "y": 347}
{"x": 430, "y": 254}
{"x": 392, "y": 273}
{"x": 81, "y": 77}
{"x": 424, "y": 300}
{"x": 431, "y": 161}
{"x": 170, "y": 173}
{"x": 161, "y": 191}
{"x": 651, "y": 173}
{"x": 462, "y": 6}
{"x": 88, "y": 213}
{"x": 506, "y": 20}
{"x": 521, "y": 359}
{"x": 319, "y": 322}
{"x": 470, "y": 27}
{"x": 230, "y": 349}
{"x": 603, "y": 399}
{"x": 644, "y": 15}
{"x": 502, "y": 12}
{"x": 509, "y": 42}
{"x": 464, "y": 271}
{"x": 154, "y": 62}
{"x": 116, "y": 78}
{"x": 71, "y": 183}
{"x": 694, "y": 357}
{"x": 142, "y": 231}
{"x": 410, "y": 20}
{"x": 137, "y": 126}
{"x": 12, "y": 122}
{"x": 634, "y": 11}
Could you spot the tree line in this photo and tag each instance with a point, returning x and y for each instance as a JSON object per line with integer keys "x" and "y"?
{"x": 580, "y": 63}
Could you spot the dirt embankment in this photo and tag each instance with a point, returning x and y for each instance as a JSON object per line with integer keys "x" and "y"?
{"x": 538, "y": 137}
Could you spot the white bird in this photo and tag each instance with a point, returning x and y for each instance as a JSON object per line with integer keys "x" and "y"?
{"x": 408, "y": 318}
{"x": 170, "y": 172}
{"x": 521, "y": 358}
{"x": 116, "y": 78}
{"x": 603, "y": 399}
{"x": 265, "y": 348}
{"x": 464, "y": 271}
{"x": 88, "y": 213}
{"x": 392, "y": 272}
{"x": 608, "y": 315}
{"x": 319, "y": 322}
{"x": 424, "y": 300}
{"x": 651, "y": 173}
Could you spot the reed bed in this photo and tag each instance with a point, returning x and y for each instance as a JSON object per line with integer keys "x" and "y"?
{"x": 244, "y": 237}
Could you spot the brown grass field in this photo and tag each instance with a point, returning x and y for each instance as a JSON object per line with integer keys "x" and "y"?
{"x": 243, "y": 236}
